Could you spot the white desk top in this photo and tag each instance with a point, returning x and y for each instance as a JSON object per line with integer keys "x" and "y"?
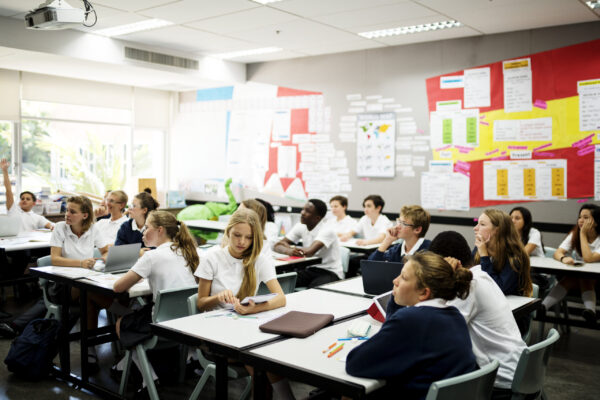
{"x": 351, "y": 244}
{"x": 312, "y": 260}
{"x": 26, "y": 241}
{"x": 308, "y": 353}
{"x": 551, "y": 263}
{"x": 518, "y": 301}
{"x": 217, "y": 327}
{"x": 217, "y": 226}
{"x": 352, "y": 286}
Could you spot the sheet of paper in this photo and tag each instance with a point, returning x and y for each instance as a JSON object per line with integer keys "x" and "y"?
{"x": 452, "y": 82}
{"x": 523, "y": 130}
{"x": 444, "y": 191}
{"x": 454, "y": 127}
{"x": 589, "y": 104}
{"x": 286, "y": 161}
{"x": 477, "y": 87}
{"x": 281, "y": 124}
{"x": 375, "y": 145}
{"x": 517, "y": 85}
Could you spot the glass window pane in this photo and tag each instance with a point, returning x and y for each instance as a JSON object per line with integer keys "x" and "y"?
{"x": 6, "y": 138}
{"x": 75, "y": 112}
{"x": 148, "y": 155}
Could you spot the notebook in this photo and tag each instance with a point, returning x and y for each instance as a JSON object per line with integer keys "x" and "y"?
{"x": 9, "y": 225}
{"x": 122, "y": 258}
{"x": 377, "y": 276}
{"x": 379, "y": 306}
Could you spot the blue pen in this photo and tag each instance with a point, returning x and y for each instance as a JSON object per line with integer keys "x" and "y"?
{"x": 354, "y": 338}
{"x": 217, "y": 315}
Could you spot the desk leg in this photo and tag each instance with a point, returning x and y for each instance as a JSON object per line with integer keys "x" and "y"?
{"x": 65, "y": 344}
{"x": 221, "y": 377}
{"x": 259, "y": 384}
{"x": 84, "y": 333}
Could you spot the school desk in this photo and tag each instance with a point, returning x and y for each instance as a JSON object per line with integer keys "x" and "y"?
{"x": 207, "y": 225}
{"x": 26, "y": 241}
{"x": 551, "y": 266}
{"x": 351, "y": 244}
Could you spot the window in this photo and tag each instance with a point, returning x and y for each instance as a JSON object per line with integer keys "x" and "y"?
{"x": 6, "y": 140}
{"x": 148, "y": 154}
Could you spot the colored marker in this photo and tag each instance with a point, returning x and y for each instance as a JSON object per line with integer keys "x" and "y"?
{"x": 337, "y": 349}
{"x": 330, "y": 347}
{"x": 354, "y": 338}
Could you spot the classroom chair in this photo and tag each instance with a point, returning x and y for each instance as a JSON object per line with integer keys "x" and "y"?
{"x": 549, "y": 251}
{"x": 476, "y": 385}
{"x": 535, "y": 294}
{"x": 53, "y": 308}
{"x": 345, "y": 258}
{"x": 531, "y": 368}
{"x": 208, "y": 366}
{"x": 287, "y": 282}
{"x": 170, "y": 304}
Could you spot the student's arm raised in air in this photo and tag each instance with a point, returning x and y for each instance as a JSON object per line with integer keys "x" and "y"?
{"x": 275, "y": 302}
{"x": 10, "y": 199}
{"x": 125, "y": 282}
{"x": 285, "y": 246}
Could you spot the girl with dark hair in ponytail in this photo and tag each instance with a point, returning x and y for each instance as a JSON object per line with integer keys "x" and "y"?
{"x": 425, "y": 341}
{"x": 170, "y": 266}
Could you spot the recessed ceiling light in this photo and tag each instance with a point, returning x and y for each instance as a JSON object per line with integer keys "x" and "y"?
{"x": 594, "y": 4}
{"x": 244, "y": 53}
{"x": 403, "y": 30}
{"x": 266, "y": 1}
{"x": 135, "y": 27}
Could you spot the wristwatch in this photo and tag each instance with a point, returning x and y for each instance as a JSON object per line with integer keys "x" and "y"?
{"x": 563, "y": 257}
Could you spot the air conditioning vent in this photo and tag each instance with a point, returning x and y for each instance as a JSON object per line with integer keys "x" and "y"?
{"x": 159, "y": 58}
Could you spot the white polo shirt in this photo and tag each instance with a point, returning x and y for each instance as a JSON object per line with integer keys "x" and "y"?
{"x": 164, "y": 269}
{"x": 329, "y": 253}
{"x": 110, "y": 228}
{"x": 347, "y": 224}
{"x": 535, "y": 237}
{"x": 566, "y": 245}
{"x": 370, "y": 231}
{"x": 227, "y": 272}
{"x": 29, "y": 220}
{"x": 75, "y": 247}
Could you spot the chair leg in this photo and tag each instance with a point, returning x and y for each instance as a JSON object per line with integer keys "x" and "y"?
{"x": 208, "y": 372}
{"x": 125, "y": 373}
{"x": 146, "y": 373}
{"x": 183, "y": 357}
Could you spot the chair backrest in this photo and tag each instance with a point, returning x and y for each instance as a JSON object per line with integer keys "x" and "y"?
{"x": 535, "y": 294}
{"x": 172, "y": 303}
{"x": 549, "y": 251}
{"x": 287, "y": 282}
{"x": 44, "y": 261}
{"x": 531, "y": 369}
{"x": 192, "y": 304}
{"x": 345, "y": 257}
{"x": 473, "y": 385}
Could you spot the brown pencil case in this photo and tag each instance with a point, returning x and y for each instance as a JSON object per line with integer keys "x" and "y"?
{"x": 297, "y": 324}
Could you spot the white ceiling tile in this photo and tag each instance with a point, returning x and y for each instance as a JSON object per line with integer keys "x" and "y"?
{"x": 185, "y": 11}
{"x": 244, "y": 20}
{"x": 131, "y": 5}
{"x": 280, "y": 55}
{"x": 121, "y": 18}
{"x": 391, "y": 15}
{"x": 9, "y": 8}
{"x": 321, "y": 49}
{"x": 313, "y": 8}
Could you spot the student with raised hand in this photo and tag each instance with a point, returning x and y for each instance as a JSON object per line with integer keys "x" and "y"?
{"x": 109, "y": 227}
{"x": 131, "y": 231}
{"x": 373, "y": 225}
{"x": 531, "y": 237}
{"x": 29, "y": 220}
{"x": 170, "y": 266}
{"x": 425, "y": 341}
{"x": 317, "y": 240}
{"x": 411, "y": 227}
{"x": 229, "y": 274}
{"x": 492, "y": 327}
{"x": 341, "y": 222}
{"x": 581, "y": 245}
{"x": 501, "y": 254}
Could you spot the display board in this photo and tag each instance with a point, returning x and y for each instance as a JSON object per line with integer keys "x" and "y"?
{"x": 521, "y": 129}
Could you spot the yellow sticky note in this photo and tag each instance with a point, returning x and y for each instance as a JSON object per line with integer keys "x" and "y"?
{"x": 502, "y": 182}
{"x": 558, "y": 182}
{"x": 529, "y": 182}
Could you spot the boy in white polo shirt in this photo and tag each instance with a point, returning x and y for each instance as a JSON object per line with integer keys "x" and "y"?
{"x": 317, "y": 240}
{"x": 29, "y": 220}
{"x": 373, "y": 225}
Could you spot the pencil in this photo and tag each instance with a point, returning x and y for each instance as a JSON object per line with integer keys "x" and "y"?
{"x": 337, "y": 349}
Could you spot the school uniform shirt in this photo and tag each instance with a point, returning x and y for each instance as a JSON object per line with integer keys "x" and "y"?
{"x": 129, "y": 233}
{"x": 566, "y": 246}
{"x": 415, "y": 346}
{"x": 227, "y": 272}
{"x": 492, "y": 327}
{"x": 329, "y": 252}
{"x": 397, "y": 252}
{"x": 271, "y": 235}
{"x": 347, "y": 224}
{"x": 535, "y": 237}
{"x": 29, "y": 220}
{"x": 110, "y": 228}
{"x": 370, "y": 231}
{"x": 164, "y": 269}
{"x": 75, "y": 247}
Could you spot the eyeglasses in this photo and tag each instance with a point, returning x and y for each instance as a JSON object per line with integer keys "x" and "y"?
{"x": 400, "y": 222}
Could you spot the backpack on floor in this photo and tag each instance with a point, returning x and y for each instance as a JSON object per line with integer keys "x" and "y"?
{"x": 31, "y": 354}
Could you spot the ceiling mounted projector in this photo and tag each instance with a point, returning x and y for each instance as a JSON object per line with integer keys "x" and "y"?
{"x": 53, "y": 15}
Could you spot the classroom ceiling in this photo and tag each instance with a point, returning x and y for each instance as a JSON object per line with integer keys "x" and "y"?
{"x": 313, "y": 27}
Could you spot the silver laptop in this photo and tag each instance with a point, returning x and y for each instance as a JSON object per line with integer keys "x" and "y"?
{"x": 9, "y": 225}
{"x": 122, "y": 258}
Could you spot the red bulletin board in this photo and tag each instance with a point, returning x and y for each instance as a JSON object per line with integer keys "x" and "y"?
{"x": 555, "y": 74}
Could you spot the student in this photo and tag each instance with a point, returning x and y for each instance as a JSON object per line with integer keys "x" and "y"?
{"x": 170, "y": 266}
{"x": 501, "y": 253}
{"x": 581, "y": 245}
{"x": 131, "y": 231}
{"x": 271, "y": 229}
{"x": 261, "y": 212}
{"x": 411, "y": 228}
{"x": 492, "y": 327}
{"x": 229, "y": 274}
{"x": 531, "y": 237}
{"x": 102, "y": 211}
{"x": 109, "y": 227}
{"x": 317, "y": 240}
{"x": 341, "y": 222}
{"x": 29, "y": 220}
{"x": 372, "y": 225}
{"x": 425, "y": 341}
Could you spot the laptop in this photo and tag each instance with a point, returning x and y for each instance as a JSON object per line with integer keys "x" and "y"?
{"x": 122, "y": 258}
{"x": 377, "y": 276}
{"x": 9, "y": 225}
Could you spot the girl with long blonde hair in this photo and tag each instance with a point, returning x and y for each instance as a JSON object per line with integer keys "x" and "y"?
{"x": 501, "y": 253}
{"x": 229, "y": 274}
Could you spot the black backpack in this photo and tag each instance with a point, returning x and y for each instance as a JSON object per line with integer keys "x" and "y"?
{"x": 31, "y": 354}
